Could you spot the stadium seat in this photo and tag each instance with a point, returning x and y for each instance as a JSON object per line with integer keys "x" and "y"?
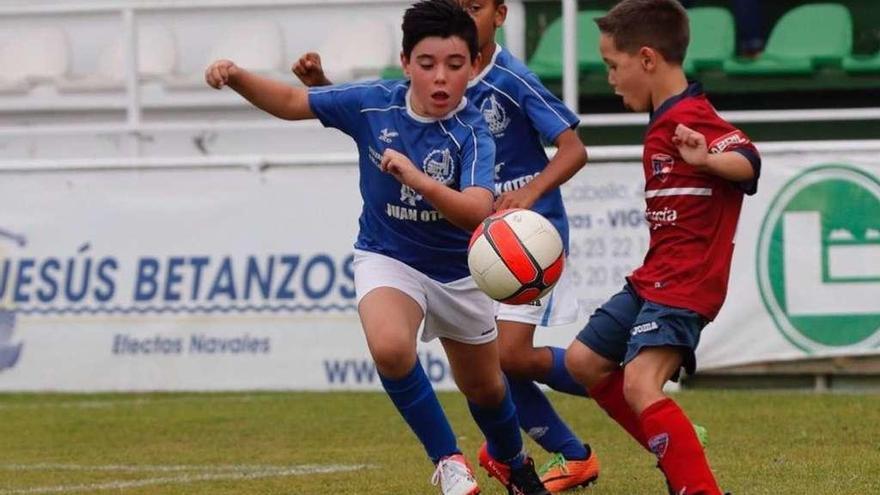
{"x": 546, "y": 62}
{"x": 713, "y": 39}
{"x": 157, "y": 59}
{"x": 257, "y": 46}
{"x": 805, "y": 37}
{"x": 32, "y": 56}
{"x": 357, "y": 50}
{"x": 856, "y": 64}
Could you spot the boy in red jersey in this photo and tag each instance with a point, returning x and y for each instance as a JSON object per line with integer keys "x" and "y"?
{"x": 697, "y": 169}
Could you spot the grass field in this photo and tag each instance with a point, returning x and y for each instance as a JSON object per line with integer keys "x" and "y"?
{"x": 355, "y": 443}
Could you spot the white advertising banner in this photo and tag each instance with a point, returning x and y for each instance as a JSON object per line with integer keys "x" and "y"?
{"x": 226, "y": 279}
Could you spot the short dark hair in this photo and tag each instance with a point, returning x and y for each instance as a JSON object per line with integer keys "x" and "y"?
{"x": 658, "y": 24}
{"x": 441, "y": 18}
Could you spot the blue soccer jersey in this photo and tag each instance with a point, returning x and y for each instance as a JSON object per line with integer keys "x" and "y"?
{"x": 456, "y": 150}
{"x": 522, "y": 116}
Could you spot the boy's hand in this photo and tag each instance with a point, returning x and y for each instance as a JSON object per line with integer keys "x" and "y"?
{"x": 309, "y": 71}
{"x": 691, "y": 146}
{"x": 520, "y": 198}
{"x": 218, "y": 73}
{"x": 399, "y": 166}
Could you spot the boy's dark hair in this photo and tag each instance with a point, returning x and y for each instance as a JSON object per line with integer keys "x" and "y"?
{"x": 441, "y": 18}
{"x": 658, "y": 24}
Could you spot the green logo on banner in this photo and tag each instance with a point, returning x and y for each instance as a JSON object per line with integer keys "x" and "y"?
{"x": 819, "y": 259}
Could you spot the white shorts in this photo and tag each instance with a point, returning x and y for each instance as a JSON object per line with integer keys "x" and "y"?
{"x": 559, "y": 307}
{"x": 456, "y": 310}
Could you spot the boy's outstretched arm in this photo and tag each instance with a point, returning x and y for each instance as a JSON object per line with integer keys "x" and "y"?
{"x": 729, "y": 165}
{"x": 570, "y": 157}
{"x": 309, "y": 71}
{"x": 274, "y": 97}
{"x": 464, "y": 209}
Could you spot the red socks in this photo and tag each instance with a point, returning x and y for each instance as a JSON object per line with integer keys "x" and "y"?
{"x": 671, "y": 437}
{"x": 609, "y": 395}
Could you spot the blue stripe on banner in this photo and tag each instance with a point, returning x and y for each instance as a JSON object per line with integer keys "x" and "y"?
{"x": 546, "y": 318}
{"x": 294, "y": 308}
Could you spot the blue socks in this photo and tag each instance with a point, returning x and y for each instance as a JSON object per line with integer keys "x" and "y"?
{"x": 415, "y": 399}
{"x": 501, "y": 429}
{"x": 559, "y": 379}
{"x": 538, "y": 418}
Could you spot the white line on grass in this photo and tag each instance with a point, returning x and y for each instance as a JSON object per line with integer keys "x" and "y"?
{"x": 100, "y": 404}
{"x": 234, "y": 476}
{"x": 146, "y": 468}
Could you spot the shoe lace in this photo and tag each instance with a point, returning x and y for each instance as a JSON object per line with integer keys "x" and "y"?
{"x": 558, "y": 460}
{"x": 447, "y": 470}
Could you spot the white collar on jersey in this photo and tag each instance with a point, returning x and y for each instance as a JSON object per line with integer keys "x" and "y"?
{"x": 479, "y": 77}
{"x": 430, "y": 120}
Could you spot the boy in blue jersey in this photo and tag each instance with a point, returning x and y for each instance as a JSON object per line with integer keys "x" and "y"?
{"x": 522, "y": 115}
{"x": 426, "y": 165}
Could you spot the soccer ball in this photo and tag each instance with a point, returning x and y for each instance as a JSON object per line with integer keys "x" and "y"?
{"x": 515, "y": 256}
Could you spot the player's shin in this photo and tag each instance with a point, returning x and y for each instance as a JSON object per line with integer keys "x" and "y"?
{"x": 500, "y": 426}
{"x": 415, "y": 399}
{"x": 672, "y": 439}
{"x": 609, "y": 395}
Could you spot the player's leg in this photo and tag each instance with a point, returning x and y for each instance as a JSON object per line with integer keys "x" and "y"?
{"x": 391, "y": 321}
{"x": 593, "y": 358}
{"x": 519, "y": 356}
{"x": 477, "y": 372}
{"x": 664, "y": 340}
{"x": 391, "y": 305}
{"x": 462, "y": 316}
{"x": 574, "y": 463}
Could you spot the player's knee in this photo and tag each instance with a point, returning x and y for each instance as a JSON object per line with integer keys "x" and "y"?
{"x": 578, "y": 364}
{"x": 393, "y": 361}
{"x": 522, "y": 363}
{"x": 640, "y": 392}
{"x": 484, "y": 393}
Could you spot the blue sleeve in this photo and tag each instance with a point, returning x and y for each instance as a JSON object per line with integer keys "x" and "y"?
{"x": 549, "y": 116}
{"x": 750, "y": 187}
{"x": 339, "y": 106}
{"x": 478, "y": 159}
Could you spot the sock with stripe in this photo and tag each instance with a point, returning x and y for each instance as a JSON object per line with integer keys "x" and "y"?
{"x": 540, "y": 421}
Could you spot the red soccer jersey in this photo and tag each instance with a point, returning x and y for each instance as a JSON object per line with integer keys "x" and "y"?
{"x": 692, "y": 215}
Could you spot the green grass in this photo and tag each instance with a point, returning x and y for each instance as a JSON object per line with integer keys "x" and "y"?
{"x": 759, "y": 443}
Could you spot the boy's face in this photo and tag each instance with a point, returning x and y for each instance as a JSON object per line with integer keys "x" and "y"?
{"x": 487, "y": 16}
{"x": 627, "y": 74}
{"x": 440, "y": 69}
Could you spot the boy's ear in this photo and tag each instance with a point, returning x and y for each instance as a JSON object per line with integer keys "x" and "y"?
{"x": 475, "y": 62}
{"x": 500, "y": 15}
{"x": 648, "y": 58}
{"x": 404, "y": 64}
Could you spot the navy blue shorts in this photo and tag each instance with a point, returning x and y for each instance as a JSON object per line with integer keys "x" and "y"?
{"x": 626, "y": 324}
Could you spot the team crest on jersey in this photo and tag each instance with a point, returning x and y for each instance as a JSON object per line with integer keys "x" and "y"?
{"x": 495, "y": 115}
{"x": 409, "y": 195}
{"x": 661, "y": 165}
{"x": 386, "y": 136}
{"x": 440, "y": 166}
